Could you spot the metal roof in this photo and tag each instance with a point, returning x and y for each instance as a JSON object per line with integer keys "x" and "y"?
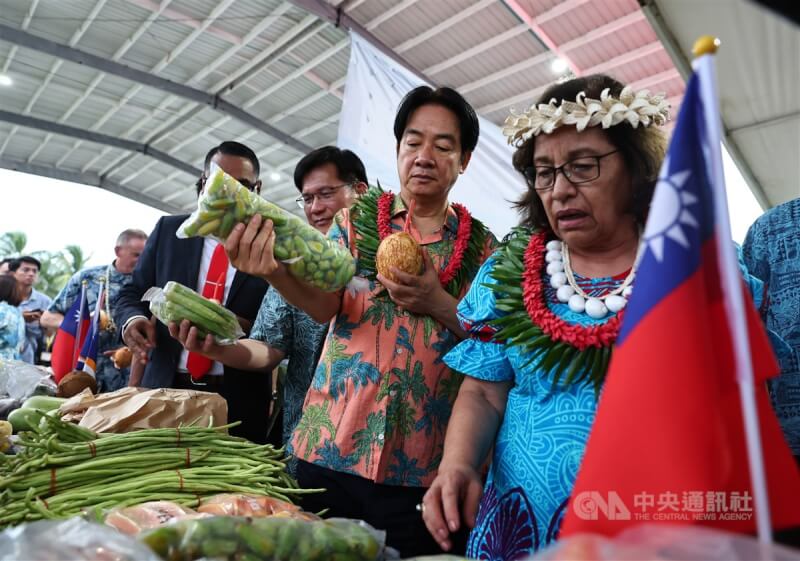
{"x": 129, "y": 95}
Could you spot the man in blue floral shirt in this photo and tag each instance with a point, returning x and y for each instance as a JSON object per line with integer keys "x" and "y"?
{"x": 772, "y": 253}
{"x": 112, "y": 277}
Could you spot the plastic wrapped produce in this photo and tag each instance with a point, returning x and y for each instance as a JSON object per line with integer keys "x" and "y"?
{"x": 229, "y": 504}
{"x": 146, "y": 516}
{"x": 309, "y": 255}
{"x": 74, "y": 539}
{"x": 176, "y": 302}
{"x": 265, "y": 539}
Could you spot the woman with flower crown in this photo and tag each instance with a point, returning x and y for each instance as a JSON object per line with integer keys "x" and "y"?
{"x": 543, "y": 313}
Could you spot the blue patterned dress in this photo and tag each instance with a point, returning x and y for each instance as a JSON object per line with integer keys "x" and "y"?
{"x": 772, "y": 253}
{"x": 543, "y": 434}
{"x": 12, "y": 332}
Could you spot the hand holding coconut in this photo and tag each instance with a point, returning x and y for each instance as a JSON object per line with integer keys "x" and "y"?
{"x": 416, "y": 292}
{"x": 421, "y": 294}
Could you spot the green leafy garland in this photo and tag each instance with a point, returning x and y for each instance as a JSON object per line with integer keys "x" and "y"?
{"x": 364, "y": 215}
{"x": 573, "y": 352}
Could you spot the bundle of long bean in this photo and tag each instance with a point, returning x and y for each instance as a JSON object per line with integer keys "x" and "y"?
{"x": 64, "y": 469}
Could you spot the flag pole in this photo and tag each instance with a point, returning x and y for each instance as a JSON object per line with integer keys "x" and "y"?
{"x": 76, "y": 347}
{"x": 704, "y": 49}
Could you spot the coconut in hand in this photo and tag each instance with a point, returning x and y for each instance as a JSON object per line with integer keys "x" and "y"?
{"x": 399, "y": 251}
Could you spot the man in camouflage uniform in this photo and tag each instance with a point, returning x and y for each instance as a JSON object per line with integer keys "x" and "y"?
{"x": 113, "y": 277}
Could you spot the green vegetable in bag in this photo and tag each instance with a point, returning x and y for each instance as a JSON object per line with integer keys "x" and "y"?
{"x": 177, "y": 303}
{"x": 225, "y": 202}
{"x": 264, "y": 539}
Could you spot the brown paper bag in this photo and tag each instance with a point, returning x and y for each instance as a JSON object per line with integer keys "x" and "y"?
{"x": 131, "y": 409}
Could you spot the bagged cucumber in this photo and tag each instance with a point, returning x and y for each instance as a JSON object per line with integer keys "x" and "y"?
{"x": 176, "y": 302}
{"x": 310, "y": 256}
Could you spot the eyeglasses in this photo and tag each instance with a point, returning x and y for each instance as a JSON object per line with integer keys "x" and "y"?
{"x": 325, "y": 195}
{"x": 577, "y": 171}
{"x": 245, "y": 183}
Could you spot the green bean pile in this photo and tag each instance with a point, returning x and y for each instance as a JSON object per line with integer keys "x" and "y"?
{"x": 311, "y": 256}
{"x": 64, "y": 470}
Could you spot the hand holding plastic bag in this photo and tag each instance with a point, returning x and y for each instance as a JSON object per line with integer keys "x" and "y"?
{"x": 309, "y": 255}
{"x": 176, "y": 302}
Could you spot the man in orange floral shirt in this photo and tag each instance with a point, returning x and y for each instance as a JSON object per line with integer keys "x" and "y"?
{"x": 374, "y": 419}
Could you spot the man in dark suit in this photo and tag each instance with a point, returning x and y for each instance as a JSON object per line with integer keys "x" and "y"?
{"x": 187, "y": 261}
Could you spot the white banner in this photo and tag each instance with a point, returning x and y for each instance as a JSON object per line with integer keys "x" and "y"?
{"x": 374, "y": 88}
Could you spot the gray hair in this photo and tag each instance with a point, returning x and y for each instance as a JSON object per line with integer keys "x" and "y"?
{"x": 127, "y": 235}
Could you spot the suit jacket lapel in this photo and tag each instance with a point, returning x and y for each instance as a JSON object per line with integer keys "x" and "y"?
{"x": 238, "y": 281}
{"x": 194, "y": 253}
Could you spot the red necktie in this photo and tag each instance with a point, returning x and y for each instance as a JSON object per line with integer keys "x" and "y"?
{"x": 213, "y": 289}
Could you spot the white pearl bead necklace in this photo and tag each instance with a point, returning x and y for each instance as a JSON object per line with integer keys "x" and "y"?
{"x": 562, "y": 279}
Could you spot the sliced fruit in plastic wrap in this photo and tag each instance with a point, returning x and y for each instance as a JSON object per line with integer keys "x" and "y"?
{"x": 146, "y": 516}
{"x": 309, "y": 255}
{"x": 228, "y": 504}
{"x": 176, "y": 302}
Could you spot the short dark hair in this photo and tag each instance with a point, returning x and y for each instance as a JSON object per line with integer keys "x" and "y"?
{"x": 233, "y": 148}
{"x": 449, "y": 99}
{"x": 17, "y": 263}
{"x": 349, "y": 166}
{"x": 8, "y": 260}
{"x": 642, "y": 150}
{"x": 228, "y": 148}
{"x": 9, "y": 291}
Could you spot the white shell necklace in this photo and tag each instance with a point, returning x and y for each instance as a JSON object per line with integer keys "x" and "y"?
{"x": 569, "y": 292}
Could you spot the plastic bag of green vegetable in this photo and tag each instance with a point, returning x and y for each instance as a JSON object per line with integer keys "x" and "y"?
{"x": 309, "y": 255}
{"x": 273, "y": 538}
{"x": 176, "y": 302}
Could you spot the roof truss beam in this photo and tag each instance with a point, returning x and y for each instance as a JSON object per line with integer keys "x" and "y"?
{"x": 91, "y": 179}
{"x": 99, "y": 138}
{"x": 185, "y": 19}
{"x": 540, "y": 33}
{"x": 308, "y": 27}
{"x": 443, "y": 26}
{"x": 40, "y": 44}
{"x": 338, "y": 17}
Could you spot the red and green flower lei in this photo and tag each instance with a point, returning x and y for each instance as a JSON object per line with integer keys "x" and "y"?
{"x": 575, "y": 351}
{"x": 372, "y": 220}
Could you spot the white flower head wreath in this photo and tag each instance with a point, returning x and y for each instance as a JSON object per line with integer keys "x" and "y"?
{"x": 639, "y": 108}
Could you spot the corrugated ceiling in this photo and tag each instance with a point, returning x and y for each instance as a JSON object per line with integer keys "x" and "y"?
{"x": 286, "y": 68}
